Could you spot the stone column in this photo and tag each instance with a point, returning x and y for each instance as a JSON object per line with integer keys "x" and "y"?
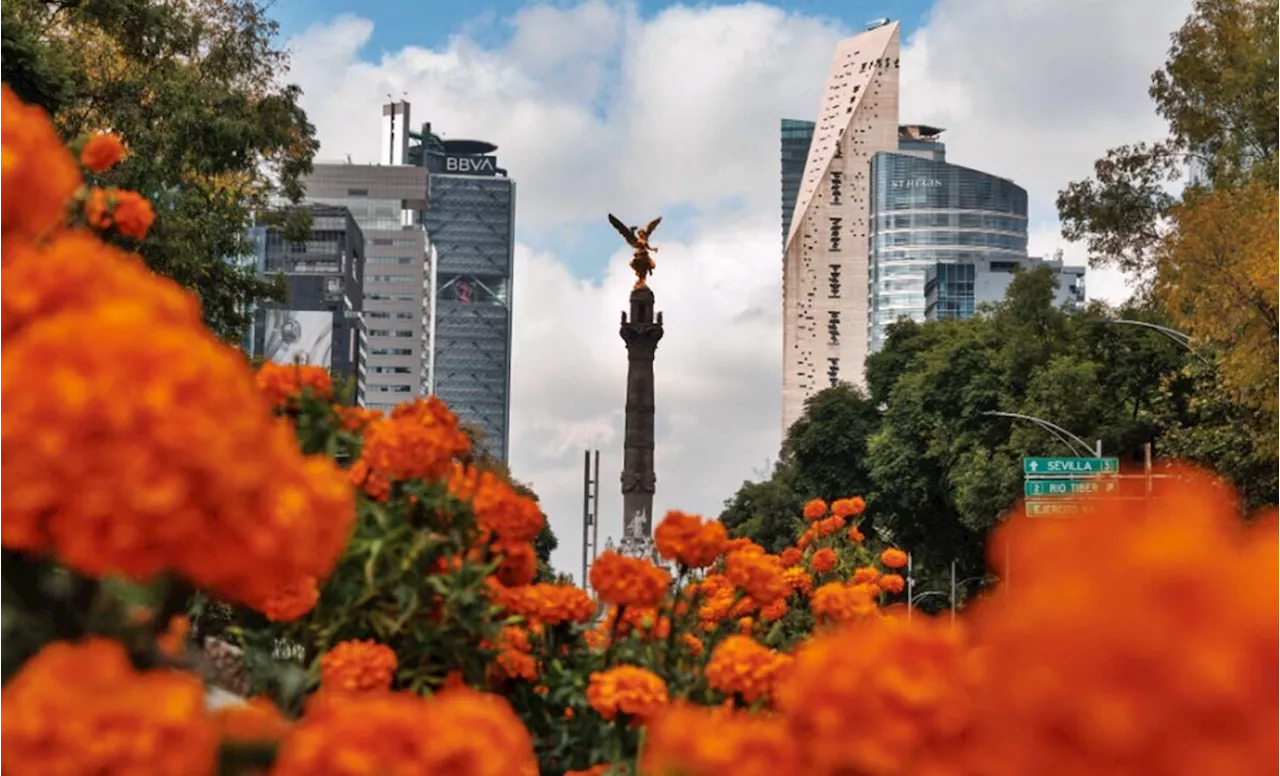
{"x": 641, "y": 332}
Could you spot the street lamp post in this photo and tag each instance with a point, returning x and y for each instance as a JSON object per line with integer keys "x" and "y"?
{"x": 1180, "y": 337}
{"x": 1063, "y": 435}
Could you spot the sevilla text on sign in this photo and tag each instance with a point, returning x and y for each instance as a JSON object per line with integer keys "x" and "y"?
{"x": 1070, "y": 467}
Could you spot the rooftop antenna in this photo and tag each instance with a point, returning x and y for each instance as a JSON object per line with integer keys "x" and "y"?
{"x": 348, "y": 158}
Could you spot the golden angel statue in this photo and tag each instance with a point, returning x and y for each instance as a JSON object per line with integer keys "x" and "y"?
{"x": 638, "y": 238}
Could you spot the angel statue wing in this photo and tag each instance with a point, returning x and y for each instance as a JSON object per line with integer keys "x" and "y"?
{"x": 627, "y": 233}
{"x": 648, "y": 230}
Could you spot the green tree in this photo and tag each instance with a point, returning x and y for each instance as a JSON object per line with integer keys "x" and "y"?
{"x": 1207, "y": 254}
{"x": 766, "y": 512}
{"x": 196, "y": 90}
{"x": 939, "y": 474}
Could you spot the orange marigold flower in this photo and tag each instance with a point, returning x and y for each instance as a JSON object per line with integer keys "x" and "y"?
{"x": 596, "y": 639}
{"x": 740, "y": 665}
{"x": 716, "y": 606}
{"x": 893, "y": 558}
{"x": 815, "y": 509}
{"x": 692, "y": 643}
{"x": 742, "y": 607}
{"x": 807, "y": 539}
{"x": 284, "y": 384}
{"x": 690, "y": 541}
{"x": 856, "y": 535}
{"x": 128, "y": 211}
{"x": 838, "y": 602}
{"x": 823, "y": 560}
{"x": 760, "y": 576}
{"x": 133, "y": 214}
{"x": 743, "y": 544}
{"x": 499, "y": 509}
{"x": 356, "y": 418}
{"x": 77, "y": 272}
{"x": 774, "y": 611}
{"x": 631, "y": 690}
{"x": 849, "y": 507}
{"x": 624, "y": 581}
{"x": 173, "y": 642}
{"x": 419, "y": 440}
{"x": 746, "y": 625}
{"x": 892, "y": 583}
{"x": 83, "y": 708}
{"x": 699, "y": 741}
{"x": 798, "y": 580}
{"x": 289, "y": 601}
{"x": 457, "y": 732}
{"x": 547, "y": 603}
{"x": 865, "y": 575}
{"x": 519, "y": 563}
{"x": 645, "y": 620}
{"x": 102, "y": 151}
{"x": 829, "y": 526}
{"x": 513, "y": 664}
{"x": 1125, "y": 655}
{"x": 256, "y": 721}
{"x": 911, "y": 683}
{"x": 178, "y": 466}
{"x": 790, "y": 557}
{"x": 595, "y": 770}
{"x": 358, "y": 666}
{"x": 33, "y": 161}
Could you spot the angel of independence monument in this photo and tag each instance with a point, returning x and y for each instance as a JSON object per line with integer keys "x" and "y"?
{"x": 641, "y": 330}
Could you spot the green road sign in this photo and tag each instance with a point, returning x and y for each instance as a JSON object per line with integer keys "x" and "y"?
{"x": 1058, "y": 508}
{"x": 1050, "y": 488}
{"x": 1070, "y": 467}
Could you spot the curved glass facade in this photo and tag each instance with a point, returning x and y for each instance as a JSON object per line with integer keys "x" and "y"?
{"x": 925, "y": 212}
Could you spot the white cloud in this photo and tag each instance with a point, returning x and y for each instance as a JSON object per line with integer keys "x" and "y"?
{"x": 595, "y": 108}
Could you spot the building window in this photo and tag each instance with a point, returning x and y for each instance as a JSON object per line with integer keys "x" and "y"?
{"x": 401, "y": 333}
{"x": 390, "y": 279}
{"x": 833, "y": 371}
{"x": 357, "y": 192}
{"x": 389, "y": 260}
{"x": 833, "y": 281}
{"x": 835, "y": 232}
{"x": 391, "y": 351}
{"x": 833, "y": 326}
{"x": 391, "y": 370}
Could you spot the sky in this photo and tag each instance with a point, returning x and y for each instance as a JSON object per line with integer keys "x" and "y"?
{"x": 648, "y": 108}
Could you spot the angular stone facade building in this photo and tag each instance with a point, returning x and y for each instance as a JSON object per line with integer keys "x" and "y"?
{"x": 825, "y": 261}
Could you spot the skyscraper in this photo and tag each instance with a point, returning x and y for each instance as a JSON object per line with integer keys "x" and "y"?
{"x": 319, "y": 321}
{"x": 826, "y": 255}
{"x": 926, "y": 211}
{"x": 796, "y": 139}
{"x": 386, "y": 201}
{"x": 471, "y": 225}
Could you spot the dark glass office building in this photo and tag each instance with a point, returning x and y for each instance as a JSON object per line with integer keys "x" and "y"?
{"x": 926, "y": 212}
{"x": 797, "y": 136}
{"x": 471, "y": 224}
{"x": 319, "y": 321}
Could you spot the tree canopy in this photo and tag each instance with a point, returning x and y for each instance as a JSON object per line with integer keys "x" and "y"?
{"x": 1209, "y": 252}
{"x": 196, "y": 90}
{"x": 938, "y": 474}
